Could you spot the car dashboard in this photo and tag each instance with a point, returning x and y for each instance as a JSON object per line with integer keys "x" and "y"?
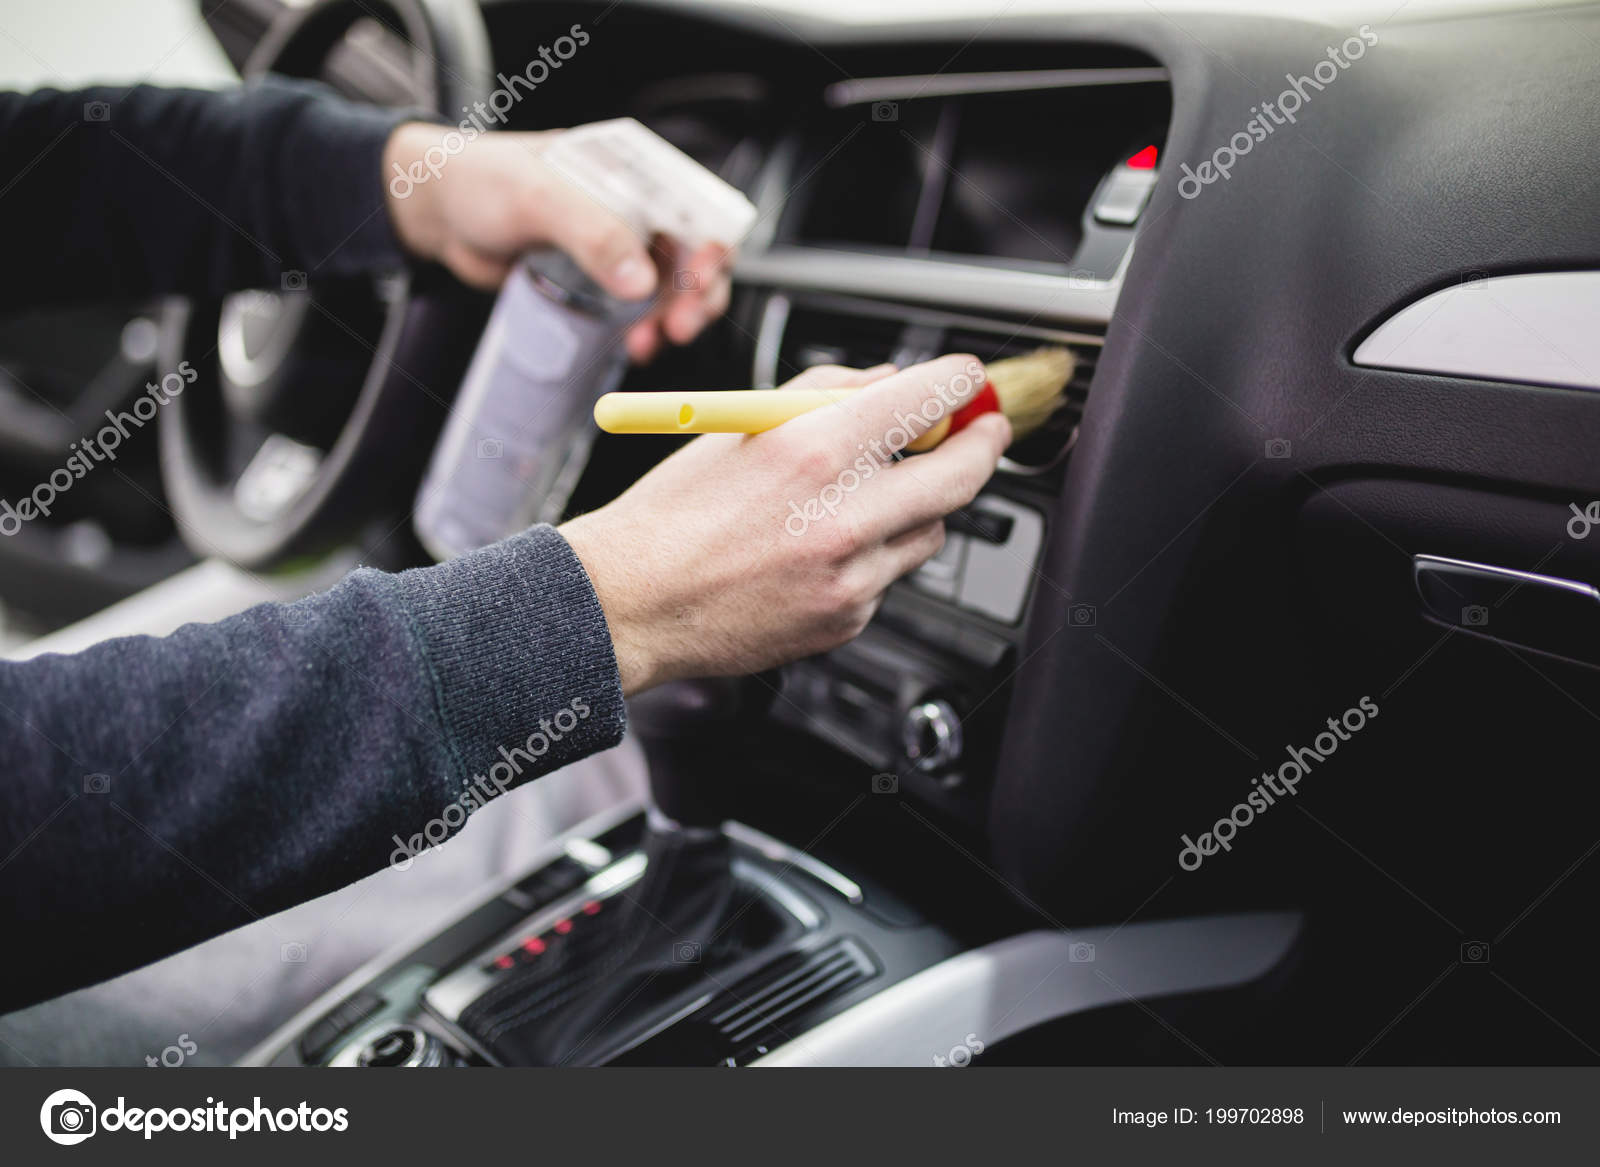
{"x": 1215, "y": 542}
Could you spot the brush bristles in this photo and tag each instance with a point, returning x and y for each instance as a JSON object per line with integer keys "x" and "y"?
{"x": 1031, "y": 386}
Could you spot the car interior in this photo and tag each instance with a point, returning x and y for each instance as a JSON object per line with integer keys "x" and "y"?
{"x": 1312, "y": 518}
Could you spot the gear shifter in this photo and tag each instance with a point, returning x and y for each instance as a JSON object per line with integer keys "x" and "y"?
{"x": 685, "y": 728}
{"x": 600, "y": 987}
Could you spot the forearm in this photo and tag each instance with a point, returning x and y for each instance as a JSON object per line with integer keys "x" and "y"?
{"x": 272, "y": 757}
{"x": 143, "y": 190}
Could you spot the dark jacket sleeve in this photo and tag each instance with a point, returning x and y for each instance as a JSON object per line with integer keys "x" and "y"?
{"x": 107, "y": 192}
{"x": 160, "y": 791}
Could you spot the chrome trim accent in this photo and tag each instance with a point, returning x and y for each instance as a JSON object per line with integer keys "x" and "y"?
{"x": 1510, "y": 574}
{"x": 785, "y": 898}
{"x": 863, "y": 90}
{"x": 428, "y": 1053}
{"x": 587, "y": 852}
{"x": 1023, "y": 470}
{"x": 771, "y": 194}
{"x": 780, "y": 852}
{"x": 1057, "y": 296}
{"x": 277, "y": 476}
{"x": 946, "y": 725}
{"x": 939, "y": 317}
{"x": 239, "y": 365}
{"x": 1015, "y": 984}
{"x": 1536, "y": 328}
{"x": 769, "y": 341}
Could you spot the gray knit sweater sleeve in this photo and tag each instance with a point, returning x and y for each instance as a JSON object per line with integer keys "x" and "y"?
{"x": 160, "y": 791}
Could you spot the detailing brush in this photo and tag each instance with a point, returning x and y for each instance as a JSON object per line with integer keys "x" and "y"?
{"x": 1027, "y": 389}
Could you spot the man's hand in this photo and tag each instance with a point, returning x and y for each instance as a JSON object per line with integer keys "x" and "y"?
{"x": 738, "y": 553}
{"x": 477, "y": 210}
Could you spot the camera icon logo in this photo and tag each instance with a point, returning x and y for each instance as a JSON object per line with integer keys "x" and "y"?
{"x": 97, "y": 783}
{"x": 1278, "y": 448}
{"x": 1474, "y": 281}
{"x": 292, "y": 952}
{"x": 1082, "y": 615}
{"x": 491, "y": 448}
{"x": 67, "y": 1117}
{"x": 686, "y": 281}
{"x": 686, "y": 952}
{"x": 1081, "y": 952}
{"x": 294, "y": 281}
{"x": 885, "y": 111}
{"x": 885, "y": 783}
{"x": 1475, "y": 952}
{"x": 1474, "y": 616}
{"x": 97, "y": 111}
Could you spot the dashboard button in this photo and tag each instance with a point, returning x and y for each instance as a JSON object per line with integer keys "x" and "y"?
{"x": 1122, "y": 197}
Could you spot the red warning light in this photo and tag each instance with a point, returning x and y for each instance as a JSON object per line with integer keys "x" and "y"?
{"x": 1144, "y": 160}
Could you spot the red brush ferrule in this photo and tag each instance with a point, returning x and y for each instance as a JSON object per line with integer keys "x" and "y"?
{"x": 987, "y": 401}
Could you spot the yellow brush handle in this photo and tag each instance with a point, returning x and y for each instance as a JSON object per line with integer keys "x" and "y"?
{"x": 722, "y": 411}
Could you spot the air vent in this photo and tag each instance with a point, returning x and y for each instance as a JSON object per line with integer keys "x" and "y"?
{"x": 844, "y": 330}
{"x": 754, "y": 1012}
{"x": 1047, "y": 448}
{"x": 998, "y": 165}
{"x": 816, "y": 336}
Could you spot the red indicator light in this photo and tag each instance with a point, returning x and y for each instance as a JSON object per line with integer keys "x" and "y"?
{"x": 591, "y": 907}
{"x": 562, "y": 927}
{"x": 1144, "y": 160}
{"x": 502, "y": 962}
{"x": 533, "y": 945}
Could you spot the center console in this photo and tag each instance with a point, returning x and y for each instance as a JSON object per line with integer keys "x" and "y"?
{"x": 626, "y": 945}
{"x": 646, "y": 939}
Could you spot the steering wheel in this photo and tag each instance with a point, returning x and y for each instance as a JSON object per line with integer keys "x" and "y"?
{"x": 314, "y": 407}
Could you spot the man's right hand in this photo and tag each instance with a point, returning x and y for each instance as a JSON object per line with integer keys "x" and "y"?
{"x": 738, "y": 553}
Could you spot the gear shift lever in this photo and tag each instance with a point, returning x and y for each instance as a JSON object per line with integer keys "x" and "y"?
{"x": 685, "y": 728}
{"x": 590, "y": 991}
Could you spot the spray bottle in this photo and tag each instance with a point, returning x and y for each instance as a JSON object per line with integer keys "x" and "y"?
{"x": 519, "y": 433}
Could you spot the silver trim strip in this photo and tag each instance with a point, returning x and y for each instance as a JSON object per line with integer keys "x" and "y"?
{"x": 1015, "y": 984}
{"x": 938, "y": 317}
{"x": 780, "y": 852}
{"x": 1511, "y": 575}
{"x": 1063, "y": 297}
{"x": 858, "y": 92}
{"x": 769, "y": 341}
{"x": 349, "y": 1055}
{"x": 1537, "y": 328}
